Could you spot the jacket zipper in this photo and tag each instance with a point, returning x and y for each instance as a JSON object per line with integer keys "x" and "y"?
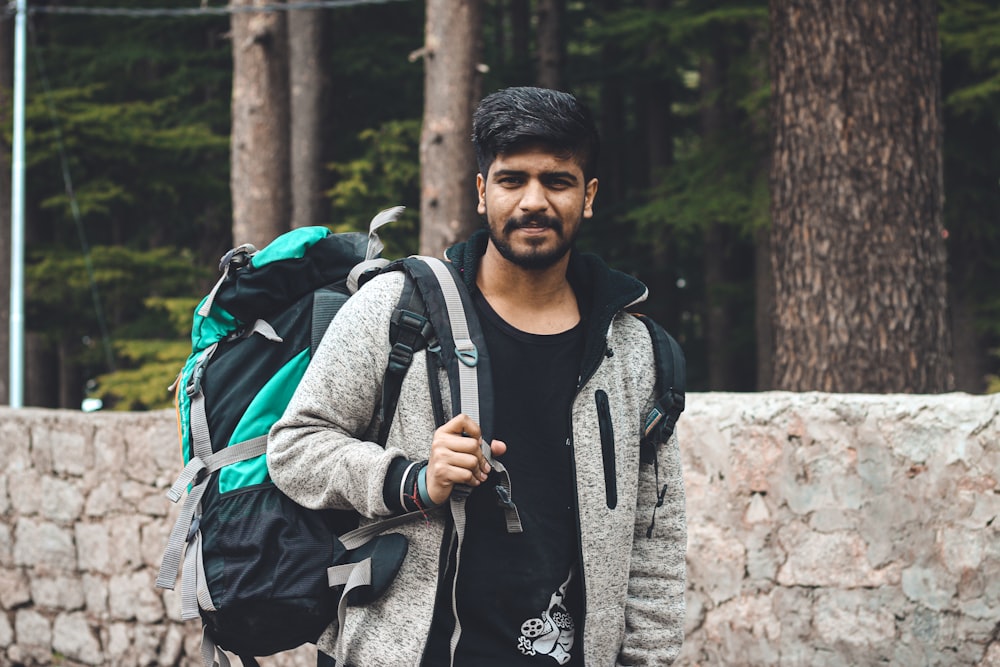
{"x": 576, "y": 495}
{"x": 607, "y": 447}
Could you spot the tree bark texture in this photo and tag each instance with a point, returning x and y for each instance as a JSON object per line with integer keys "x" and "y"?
{"x": 6, "y": 118}
{"x": 447, "y": 163}
{"x": 308, "y": 86}
{"x": 551, "y": 56}
{"x": 260, "y": 138}
{"x": 858, "y": 257}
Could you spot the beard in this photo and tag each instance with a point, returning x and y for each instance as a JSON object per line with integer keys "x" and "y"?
{"x": 537, "y": 256}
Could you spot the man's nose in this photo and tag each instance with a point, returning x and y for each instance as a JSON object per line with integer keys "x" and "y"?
{"x": 533, "y": 197}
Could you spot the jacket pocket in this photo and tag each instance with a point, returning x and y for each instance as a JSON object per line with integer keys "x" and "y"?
{"x": 607, "y": 447}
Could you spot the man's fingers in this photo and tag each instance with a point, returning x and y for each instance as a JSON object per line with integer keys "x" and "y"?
{"x": 498, "y": 447}
{"x": 463, "y": 424}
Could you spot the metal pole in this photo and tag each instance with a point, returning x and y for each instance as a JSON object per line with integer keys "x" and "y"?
{"x": 17, "y": 215}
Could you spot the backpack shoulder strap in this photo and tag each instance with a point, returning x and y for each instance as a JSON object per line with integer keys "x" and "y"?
{"x": 670, "y": 388}
{"x": 466, "y": 359}
{"x": 409, "y": 332}
{"x": 327, "y": 302}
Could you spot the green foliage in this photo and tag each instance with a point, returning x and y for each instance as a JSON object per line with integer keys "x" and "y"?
{"x": 127, "y": 312}
{"x": 970, "y": 29}
{"x": 386, "y": 174}
{"x": 149, "y": 368}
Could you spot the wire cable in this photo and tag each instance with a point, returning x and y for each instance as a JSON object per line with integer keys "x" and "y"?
{"x": 161, "y": 12}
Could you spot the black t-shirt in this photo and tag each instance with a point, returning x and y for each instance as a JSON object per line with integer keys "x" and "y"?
{"x": 519, "y": 595}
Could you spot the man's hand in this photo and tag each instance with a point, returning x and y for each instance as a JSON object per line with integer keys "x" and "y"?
{"x": 456, "y": 458}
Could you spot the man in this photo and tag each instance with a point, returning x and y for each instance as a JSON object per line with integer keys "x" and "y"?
{"x": 573, "y": 379}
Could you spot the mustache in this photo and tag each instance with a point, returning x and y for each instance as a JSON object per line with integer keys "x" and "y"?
{"x": 533, "y": 220}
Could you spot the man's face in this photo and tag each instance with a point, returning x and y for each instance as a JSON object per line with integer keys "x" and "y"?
{"x": 534, "y": 201}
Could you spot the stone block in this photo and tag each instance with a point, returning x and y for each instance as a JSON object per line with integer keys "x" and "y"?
{"x": 32, "y": 629}
{"x": 25, "y": 492}
{"x": 852, "y": 619}
{"x": 15, "y": 441}
{"x": 62, "y": 446}
{"x": 109, "y": 446}
{"x": 74, "y": 638}
{"x": 146, "y": 644}
{"x": 117, "y": 641}
{"x": 61, "y": 501}
{"x": 44, "y": 545}
{"x": 991, "y": 658}
{"x": 124, "y": 533}
{"x": 828, "y": 559}
{"x": 93, "y": 547}
{"x": 716, "y": 559}
{"x": 172, "y": 647}
{"x": 153, "y": 536}
{"x": 6, "y": 631}
{"x": 133, "y": 596}
{"x": 73, "y": 453}
{"x": 95, "y": 595}
{"x": 6, "y": 546}
{"x": 4, "y": 496}
{"x": 64, "y": 593}
{"x": 14, "y": 588}
{"x": 932, "y": 586}
{"x": 742, "y": 631}
{"x": 151, "y": 449}
{"x": 103, "y": 500}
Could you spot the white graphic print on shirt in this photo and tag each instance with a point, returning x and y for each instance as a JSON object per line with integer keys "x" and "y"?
{"x": 551, "y": 633}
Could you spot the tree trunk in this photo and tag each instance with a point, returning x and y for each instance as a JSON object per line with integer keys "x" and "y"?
{"x": 551, "y": 53}
{"x": 41, "y": 372}
{"x": 308, "y": 86}
{"x": 6, "y": 98}
{"x": 856, "y": 186}
{"x": 447, "y": 163}
{"x": 260, "y": 137}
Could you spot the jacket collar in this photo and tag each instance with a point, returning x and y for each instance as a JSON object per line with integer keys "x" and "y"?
{"x": 601, "y": 291}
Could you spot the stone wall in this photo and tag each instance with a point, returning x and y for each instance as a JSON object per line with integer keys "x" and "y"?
{"x": 823, "y": 530}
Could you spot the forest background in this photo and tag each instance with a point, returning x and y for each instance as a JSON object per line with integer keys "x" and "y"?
{"x": 133, "y": 195}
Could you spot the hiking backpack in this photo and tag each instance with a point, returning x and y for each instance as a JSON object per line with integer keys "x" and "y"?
{"x": 263, "y": 573}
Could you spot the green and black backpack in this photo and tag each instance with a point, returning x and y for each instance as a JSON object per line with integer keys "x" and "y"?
{"x": 255, "y": 562}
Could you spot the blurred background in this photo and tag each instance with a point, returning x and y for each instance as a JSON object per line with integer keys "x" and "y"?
{"x": 812, "y": 194}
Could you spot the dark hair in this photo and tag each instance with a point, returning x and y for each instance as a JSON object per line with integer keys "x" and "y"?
{"x": 514, "y": 118}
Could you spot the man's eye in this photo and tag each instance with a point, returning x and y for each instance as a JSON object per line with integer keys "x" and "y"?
{"x": 509, "y": 180}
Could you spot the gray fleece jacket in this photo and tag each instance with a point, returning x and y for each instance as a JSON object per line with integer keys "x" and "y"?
{"x": 322, "y": 454}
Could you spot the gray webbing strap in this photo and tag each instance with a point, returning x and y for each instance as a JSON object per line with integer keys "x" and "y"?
{"x": 179, "y": 535}
{"x": 264, "y": 328}
{"x": 467, "y": 354}
{"x": 362, "y": 267}
{"x": 209, "y": 651}
{"x": 465, "y": 349}
{"x": 360, "y": 575}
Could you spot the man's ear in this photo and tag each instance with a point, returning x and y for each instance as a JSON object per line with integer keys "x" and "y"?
{"x": 590, "y": 192}
{"x": 481, "y": 189}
